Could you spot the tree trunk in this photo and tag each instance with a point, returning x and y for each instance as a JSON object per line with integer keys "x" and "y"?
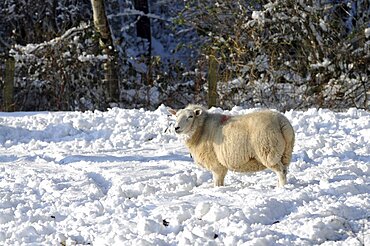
{"x": 143, "y": 24}
{"x": 143, "y": 31}
{"x": 9, "y": 84}
{"x": 106, "y": 44}
{"x": 212, "y": 81}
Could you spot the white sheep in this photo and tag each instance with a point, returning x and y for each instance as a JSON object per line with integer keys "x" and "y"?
{"x": 244, "y": 143}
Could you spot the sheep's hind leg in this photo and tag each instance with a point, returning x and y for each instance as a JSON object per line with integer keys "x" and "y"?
{"x": 219, "y": 176}
{"x": 281, "y": 171}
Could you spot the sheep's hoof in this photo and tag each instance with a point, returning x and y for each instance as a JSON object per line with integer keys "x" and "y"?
{"x": 281, "y": 184}
{"x": 218, "y": 183}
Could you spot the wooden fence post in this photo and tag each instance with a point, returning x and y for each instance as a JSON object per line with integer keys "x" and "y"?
{"x": 8, "y": 89}
{"x": 212, "y": 81}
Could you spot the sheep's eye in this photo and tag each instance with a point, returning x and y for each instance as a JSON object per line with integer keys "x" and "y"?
{"x": 190, "y": 117}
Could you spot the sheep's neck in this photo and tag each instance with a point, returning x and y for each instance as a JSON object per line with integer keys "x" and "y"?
{"x": 194, "y": 139}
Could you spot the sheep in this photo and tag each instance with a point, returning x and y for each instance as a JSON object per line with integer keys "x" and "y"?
{"x": 244, "y": 143}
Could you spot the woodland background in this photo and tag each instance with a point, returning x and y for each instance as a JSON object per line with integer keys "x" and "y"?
{"x": 279, "y": 54}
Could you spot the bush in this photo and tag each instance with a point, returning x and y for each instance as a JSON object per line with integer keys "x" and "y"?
{"x": 62, "y": 74}
{"x": 287, "y": 54}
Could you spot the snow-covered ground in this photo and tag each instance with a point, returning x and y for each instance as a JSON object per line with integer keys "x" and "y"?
{"x": 123, "y": 177}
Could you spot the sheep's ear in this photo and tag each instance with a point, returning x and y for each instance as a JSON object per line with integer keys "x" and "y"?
{"x": 198, "y": 112}
{"x": 172, "y": 111}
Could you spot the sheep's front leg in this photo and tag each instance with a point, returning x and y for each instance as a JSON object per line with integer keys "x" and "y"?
{"x": 219, "y": 174}
{"x": 282, "y": 178}
{"x": 281, "y": 172}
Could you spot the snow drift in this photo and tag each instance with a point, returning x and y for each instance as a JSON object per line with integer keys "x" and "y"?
{"x": 123, "y": 178}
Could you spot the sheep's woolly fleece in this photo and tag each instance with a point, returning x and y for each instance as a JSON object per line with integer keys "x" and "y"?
{"x": 123, "y": 177}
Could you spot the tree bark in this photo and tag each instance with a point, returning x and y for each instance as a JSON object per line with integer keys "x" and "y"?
{"x": 8, "y": 89}
{"x": 106, "y": 44}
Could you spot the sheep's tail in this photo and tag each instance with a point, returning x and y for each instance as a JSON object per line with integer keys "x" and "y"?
{"x": 288, "y": 134}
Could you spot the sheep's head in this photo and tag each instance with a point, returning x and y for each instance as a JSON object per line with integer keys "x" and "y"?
{"x": 186, "y": 118}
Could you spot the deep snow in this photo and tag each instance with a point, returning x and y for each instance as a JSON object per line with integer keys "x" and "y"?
{"x": 123, "y": 177}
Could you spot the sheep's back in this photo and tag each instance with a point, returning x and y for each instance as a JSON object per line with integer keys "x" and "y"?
{"x": 247, "y": 141}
